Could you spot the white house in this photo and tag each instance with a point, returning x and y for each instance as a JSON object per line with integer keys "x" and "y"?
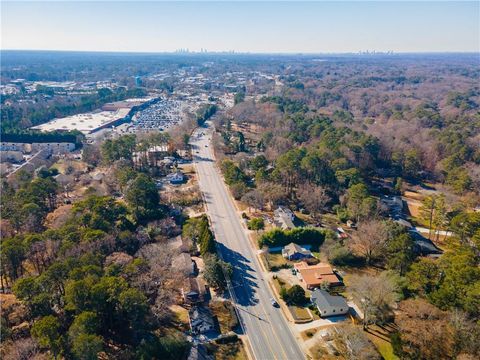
{"x": 329, "y": 305}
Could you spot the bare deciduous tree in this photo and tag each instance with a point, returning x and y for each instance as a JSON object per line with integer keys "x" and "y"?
{"x": 314, "y": 198}
{"x": 425, "y": 330}
{"x": 370, "y": 239}
{"x": 353, "y": 344}
{"x": 254, "y": 199}
{"x": 375, "y": 296}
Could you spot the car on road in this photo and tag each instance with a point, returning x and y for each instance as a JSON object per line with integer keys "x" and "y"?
{"x": 274, "y": 302}
{"x": 206, "y": 145}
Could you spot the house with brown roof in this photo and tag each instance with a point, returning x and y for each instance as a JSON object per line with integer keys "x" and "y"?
{"x": 194, "y": 290}
{"x": 183, "y": 263}
{"x": 313, "y": 276}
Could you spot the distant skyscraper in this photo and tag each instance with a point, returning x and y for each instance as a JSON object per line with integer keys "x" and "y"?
{"x": 138, "y": 81}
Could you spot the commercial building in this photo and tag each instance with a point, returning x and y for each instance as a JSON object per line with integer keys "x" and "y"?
{"x": 34, "y": 147}
{"x": 86, "y": 123}
{"x": 111, "y": 114}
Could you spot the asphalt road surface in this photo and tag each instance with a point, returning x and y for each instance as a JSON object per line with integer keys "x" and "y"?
{"x": 267, "y": 330}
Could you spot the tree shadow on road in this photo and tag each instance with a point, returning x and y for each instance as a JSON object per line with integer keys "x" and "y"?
{"x": 243, "y": 281}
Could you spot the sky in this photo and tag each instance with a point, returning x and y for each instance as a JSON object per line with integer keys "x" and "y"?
{"x": 242, "y": 26}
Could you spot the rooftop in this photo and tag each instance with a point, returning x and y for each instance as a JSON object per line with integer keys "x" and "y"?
{"x": 323, "y": 299}
{"x": 86, "y": 123}
{"x": 314, "y": 275}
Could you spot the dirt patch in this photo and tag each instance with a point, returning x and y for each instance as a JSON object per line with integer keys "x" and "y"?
{"x": 308, "y": 334}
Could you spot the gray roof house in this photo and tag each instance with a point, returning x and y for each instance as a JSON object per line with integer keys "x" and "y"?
{"x": 283, "y": 218}
{"x": 329, "y": 305}
{"x": 293, "y": 251}
{"x": 176, "y": 178}
{"x": 201, "y": 320}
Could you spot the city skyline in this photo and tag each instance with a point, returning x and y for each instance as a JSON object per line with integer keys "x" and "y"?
{"x": 245, "y": 27}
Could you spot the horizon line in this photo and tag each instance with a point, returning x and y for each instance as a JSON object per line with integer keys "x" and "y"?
{"x": 237, "y": 52}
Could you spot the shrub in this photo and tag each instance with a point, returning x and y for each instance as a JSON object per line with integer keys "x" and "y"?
{"x": 238, "y": 189}
{"x": 256, "y": 224}
{"x": 294, "y": 296}
{"x": 301, "y": 236}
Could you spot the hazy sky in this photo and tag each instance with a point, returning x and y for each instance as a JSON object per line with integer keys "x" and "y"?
{"x": 318, "y": 27}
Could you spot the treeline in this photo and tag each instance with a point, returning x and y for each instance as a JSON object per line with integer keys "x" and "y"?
{"x": 32, "y": 136}
{"x": 216, "y": 271}
{"x": 205, "y": 113}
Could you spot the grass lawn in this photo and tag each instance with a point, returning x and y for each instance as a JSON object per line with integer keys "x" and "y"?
{"x": 227, "y": 319}
{"x": 380, "y": 337}
{"x": 276, "y": 260}
{"x": 300, "y": 313}
{"x": 230, "y": 351}
{"x": 180, "y": 315}
{"x": 279, "y": 282}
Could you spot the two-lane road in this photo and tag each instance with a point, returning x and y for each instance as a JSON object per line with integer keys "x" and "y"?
{"x": 268, "y": 332}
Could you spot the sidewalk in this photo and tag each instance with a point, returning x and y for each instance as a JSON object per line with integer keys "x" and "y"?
{"x": 321, "y": 323}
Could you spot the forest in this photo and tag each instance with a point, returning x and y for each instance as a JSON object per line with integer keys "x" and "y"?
{"x": 337, "y": 139}
{"x": 331, "y": 138}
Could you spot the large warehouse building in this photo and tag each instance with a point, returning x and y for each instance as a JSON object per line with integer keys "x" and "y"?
{"x": 111, "y": 114}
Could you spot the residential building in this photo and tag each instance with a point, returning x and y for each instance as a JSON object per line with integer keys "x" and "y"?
{"x": 183, "y": 263}
{"x": 12, "y": 156}
{"x": 201, "y": 320}
{"x": 27, "y": 148}
{"x": 194, "y": 290}
{"x": 393, "y": 205}
{"x": 176, "y": 178}
{"x": 423, "y": 246}
{"x": 283, "y": 218}
{"x": 293, "y": 251}
{"x": 313, "y": 276}
{"x": 329, "y": 305}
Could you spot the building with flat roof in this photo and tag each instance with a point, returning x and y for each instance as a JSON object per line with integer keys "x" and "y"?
{"x": 87, "y": 122}
{"x": 109, "y": 115}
